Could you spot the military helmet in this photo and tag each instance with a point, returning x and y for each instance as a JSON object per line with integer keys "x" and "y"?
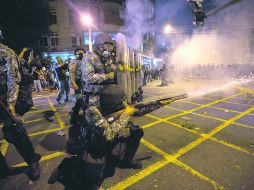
{"x": 111, "y": 99}
{"x": 103, "y": 38}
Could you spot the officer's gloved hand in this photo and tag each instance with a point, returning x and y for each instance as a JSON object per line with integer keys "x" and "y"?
{"x": 129, "y": 110}
{"x": 111, "y": 75}
{"x": 75, "y": 86}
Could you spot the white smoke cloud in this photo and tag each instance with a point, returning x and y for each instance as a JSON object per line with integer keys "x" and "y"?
{"x": 226, "y": 38}
{"x": 137, "y": 21}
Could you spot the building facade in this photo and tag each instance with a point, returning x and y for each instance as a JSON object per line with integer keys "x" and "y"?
{"x": 66, "y": 32}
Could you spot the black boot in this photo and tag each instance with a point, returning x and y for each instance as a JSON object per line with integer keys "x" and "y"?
{"x": 34, "y": 169}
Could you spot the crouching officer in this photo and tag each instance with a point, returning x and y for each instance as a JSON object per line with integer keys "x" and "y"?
{"x": 110, "y": 136}
{"x": 9, "y": 88}
{"x": 75, "y": 80}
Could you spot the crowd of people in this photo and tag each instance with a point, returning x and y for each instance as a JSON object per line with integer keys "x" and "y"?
{"x": 167, "y": 73}
{"x": 213, "y": 71}
{"x": 104, "y": 137}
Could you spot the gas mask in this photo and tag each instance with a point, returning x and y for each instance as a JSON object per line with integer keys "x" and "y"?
{"x": 106, "y": 53}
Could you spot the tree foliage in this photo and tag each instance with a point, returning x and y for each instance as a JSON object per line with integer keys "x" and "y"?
{"x": 23, "y": 21}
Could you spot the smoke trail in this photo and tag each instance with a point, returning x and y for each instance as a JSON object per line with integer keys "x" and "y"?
{"x": 137, "y": 21}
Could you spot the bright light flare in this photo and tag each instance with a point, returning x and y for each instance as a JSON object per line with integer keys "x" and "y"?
{"x": 167, "y": 29}
{"x": 86, "y": 20}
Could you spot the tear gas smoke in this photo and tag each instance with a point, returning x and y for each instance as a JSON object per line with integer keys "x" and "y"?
{"x": 217, "y": 53}
{"x": 226, "y": 39}
{"x": 137, "y": 21}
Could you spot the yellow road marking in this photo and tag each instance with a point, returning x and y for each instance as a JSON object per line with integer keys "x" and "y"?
{"x": 189, "y": 111}
{"x": 172, "y": 159}
{"x": 226, "y": 101}
{"x": 148, "y": 170}
{"x": 218, "y": 108}
{"x": 198, "y": 174}
{"x": 211, "y": 117}
{"x": 151, "y": 124}
{"x": 235, "y": 147}
{"x": 44, "y": 158}
{"x": 57, "y": 116}
{"x": 140, "y": 175}
{"x": 238, "y": 148}
{"x": 39, "y": 111}
{"x": 45, "y": 132}
{"x": 4, "y": 146}
{"x": 202, "y": 106}
{"x": 245, "y": 89}
{"x": 154, "y": 167}
{"x": 210, "y": 134}
{"x": 36, "y": 120}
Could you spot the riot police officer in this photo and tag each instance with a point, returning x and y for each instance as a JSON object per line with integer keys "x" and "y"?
{"x": 110, "y": 137}
{"x": 9, "y": 88}
{"x": 75, "y": 80}
{"x": 98, "y": 68}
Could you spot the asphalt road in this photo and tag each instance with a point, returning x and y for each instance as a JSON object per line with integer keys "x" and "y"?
{"x": 203, "y": 142}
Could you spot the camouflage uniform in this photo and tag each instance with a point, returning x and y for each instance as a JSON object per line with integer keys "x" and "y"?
{"x": 105, "y": 127}
{"x": 112, "y": 141}
{"x": 9, "y": 66}
{"x": 93, "y": 77}
{"x": 9, "y": 88}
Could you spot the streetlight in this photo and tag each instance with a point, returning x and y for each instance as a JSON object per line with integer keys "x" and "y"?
{"x": 87, "y": 20}
{"x": 167, "y": 29}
